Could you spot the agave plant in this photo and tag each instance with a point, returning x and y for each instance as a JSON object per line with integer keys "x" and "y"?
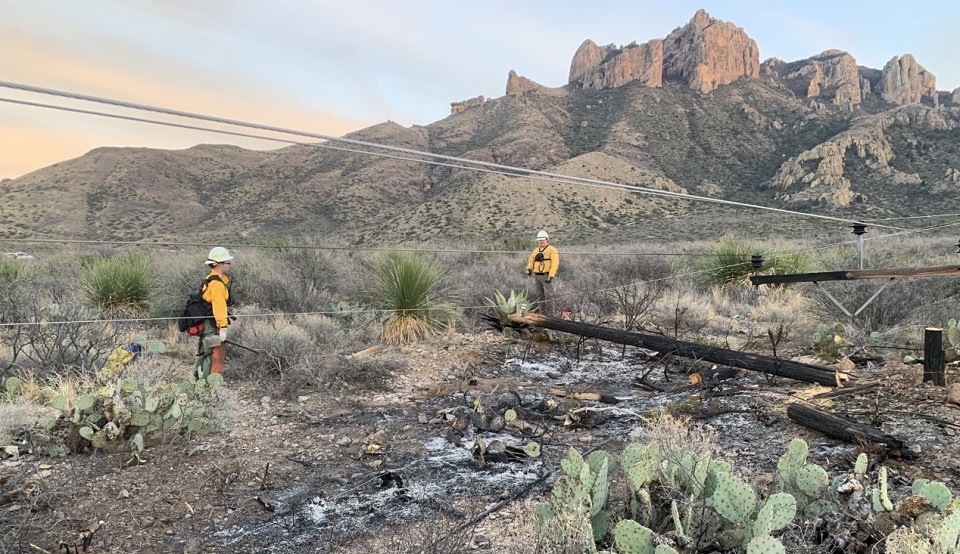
{"x": 501, "y": 308}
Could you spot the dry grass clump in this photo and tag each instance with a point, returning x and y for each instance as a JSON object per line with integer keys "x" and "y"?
{"x": 303, "y": 353}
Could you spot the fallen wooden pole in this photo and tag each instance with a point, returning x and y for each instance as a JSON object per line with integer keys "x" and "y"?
{"x": 754, "y": 362}
{"x": 844, "y": 429}
{"x": 593, "y": 396}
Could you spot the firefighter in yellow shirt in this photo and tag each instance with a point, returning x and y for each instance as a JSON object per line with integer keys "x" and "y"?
{"x": 211, "y": 352}
{"x": 543, "y": 264}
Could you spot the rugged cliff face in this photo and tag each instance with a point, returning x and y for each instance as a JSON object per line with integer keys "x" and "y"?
{"x": 832, "y": 76}
{"x": 704, "y": 54}
{"x": 594, "y": 67}
{"x": 905, "y": 81}
{"x": 707, "y": 53}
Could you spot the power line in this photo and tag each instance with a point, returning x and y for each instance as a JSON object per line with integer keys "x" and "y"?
{"x": 510, "y": 173}
{"x": 514, "y": 170}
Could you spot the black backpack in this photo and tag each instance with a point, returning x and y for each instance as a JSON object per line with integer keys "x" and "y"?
{"x": 197, "y": 309}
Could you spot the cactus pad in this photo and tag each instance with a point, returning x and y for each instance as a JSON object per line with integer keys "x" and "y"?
{"x": 633, "y": 538}
{"x": 765, "y": 544}
{"x": 734, "y": 500}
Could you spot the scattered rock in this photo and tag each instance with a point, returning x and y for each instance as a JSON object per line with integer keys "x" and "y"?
{"x": 953, "y": 394}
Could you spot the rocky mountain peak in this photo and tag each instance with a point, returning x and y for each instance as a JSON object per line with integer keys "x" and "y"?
{"x": 833, "y": 75}
{"x": 704, "y": 54}
{"x": 904, "y": 81}
{"x": 518, "y": 85}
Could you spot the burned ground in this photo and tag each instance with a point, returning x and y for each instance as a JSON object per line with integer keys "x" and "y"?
{"x": 399, "y": 471}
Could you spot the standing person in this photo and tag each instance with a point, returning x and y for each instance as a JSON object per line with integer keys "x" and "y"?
{"x": 543, "y": 264}
{"x": 211, "y": 351}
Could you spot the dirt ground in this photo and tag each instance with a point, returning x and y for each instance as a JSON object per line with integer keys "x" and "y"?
{"x": 395, "y": 471}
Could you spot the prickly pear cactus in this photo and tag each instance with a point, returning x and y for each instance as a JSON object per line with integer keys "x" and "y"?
{"x": 633, "y": 538}
{"x": 860, "y": 467}
{"x": 776, "y": 513}
{"x": 640, "y": 463}
{"x": 948, "y": 539}
{"x": 936, "y": 493}
{"x": 880, "y": 499}
{"x": 734, "y": 500}
{"x": 812, "y": 480}
{"x": 765, "y": 544}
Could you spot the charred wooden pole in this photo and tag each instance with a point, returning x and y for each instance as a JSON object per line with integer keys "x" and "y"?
{"x": 934, "y": 362}
{"x": 844, "y": 429}
{"x": 754, "y": 362}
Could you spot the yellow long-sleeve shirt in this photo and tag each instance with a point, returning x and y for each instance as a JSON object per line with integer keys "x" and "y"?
{"x": 217, "y": 295}
{"x": 550, "y": 263}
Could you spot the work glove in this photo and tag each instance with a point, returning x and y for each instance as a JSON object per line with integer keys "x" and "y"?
{"x": 223, "y": 335}
{"x": 549, "y": 279}
{"x": 529, "y": 272}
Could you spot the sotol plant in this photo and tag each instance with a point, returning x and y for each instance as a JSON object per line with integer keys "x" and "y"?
{"x": 413, "y": 295}
{"x": 123, "y": 283}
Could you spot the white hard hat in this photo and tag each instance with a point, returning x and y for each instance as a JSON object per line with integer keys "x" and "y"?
{"x": 218, "y": 255}
{"x": 542, "y": 235}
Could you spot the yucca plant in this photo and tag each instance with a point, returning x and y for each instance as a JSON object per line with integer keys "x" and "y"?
{"x": 728, "y": 263}
{"x": 501, "y": 308}
{"x": 414, "y": 296}
{"x": 123, "y": 283}
{"x": 12, "y": 270}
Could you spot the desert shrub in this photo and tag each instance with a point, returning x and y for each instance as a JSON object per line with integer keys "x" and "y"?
{"x": 728, "y": 263}
{"x": 304, "y": 353}
{"x": 12, "y": 270}
{"x": 412, "y": 292}
{"x": 631, "y": 286}
{"x": 297, "y": 277}
{"x": 56, "y": 332}
{"x": 123, "y": 284}
{"x": 899, "y": 303}
{"x": 475, "y": 275}
{"x": 178, "y": 276}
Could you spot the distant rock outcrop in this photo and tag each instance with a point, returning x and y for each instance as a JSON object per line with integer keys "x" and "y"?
{"x": 518, "y": 85}
{"x": 706, "y": 53}
{"x": 955, "y": 96}
{"x": 457, "y": 107}
{"x": 833, "y": 75}
{"x": 904, "y": 81}
{"x": 595, "y": 67}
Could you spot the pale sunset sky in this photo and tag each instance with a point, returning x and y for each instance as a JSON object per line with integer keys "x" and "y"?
{"x": 332, "y": 67}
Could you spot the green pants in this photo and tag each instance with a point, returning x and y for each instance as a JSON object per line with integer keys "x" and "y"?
{"x": 204, "y": 353}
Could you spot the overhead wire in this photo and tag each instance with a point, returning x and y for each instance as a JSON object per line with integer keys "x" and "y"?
{"x": 473, "y": 164}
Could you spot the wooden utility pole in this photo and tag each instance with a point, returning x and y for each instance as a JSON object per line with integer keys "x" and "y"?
{"x": 934, "y": 362}
{"x": 855, "y": 275}
{"x": 844, "y": 429}
{"x": 664, "y": 345}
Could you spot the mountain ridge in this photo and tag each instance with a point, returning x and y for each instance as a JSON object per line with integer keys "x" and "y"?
{"x": 820, "y": 134}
